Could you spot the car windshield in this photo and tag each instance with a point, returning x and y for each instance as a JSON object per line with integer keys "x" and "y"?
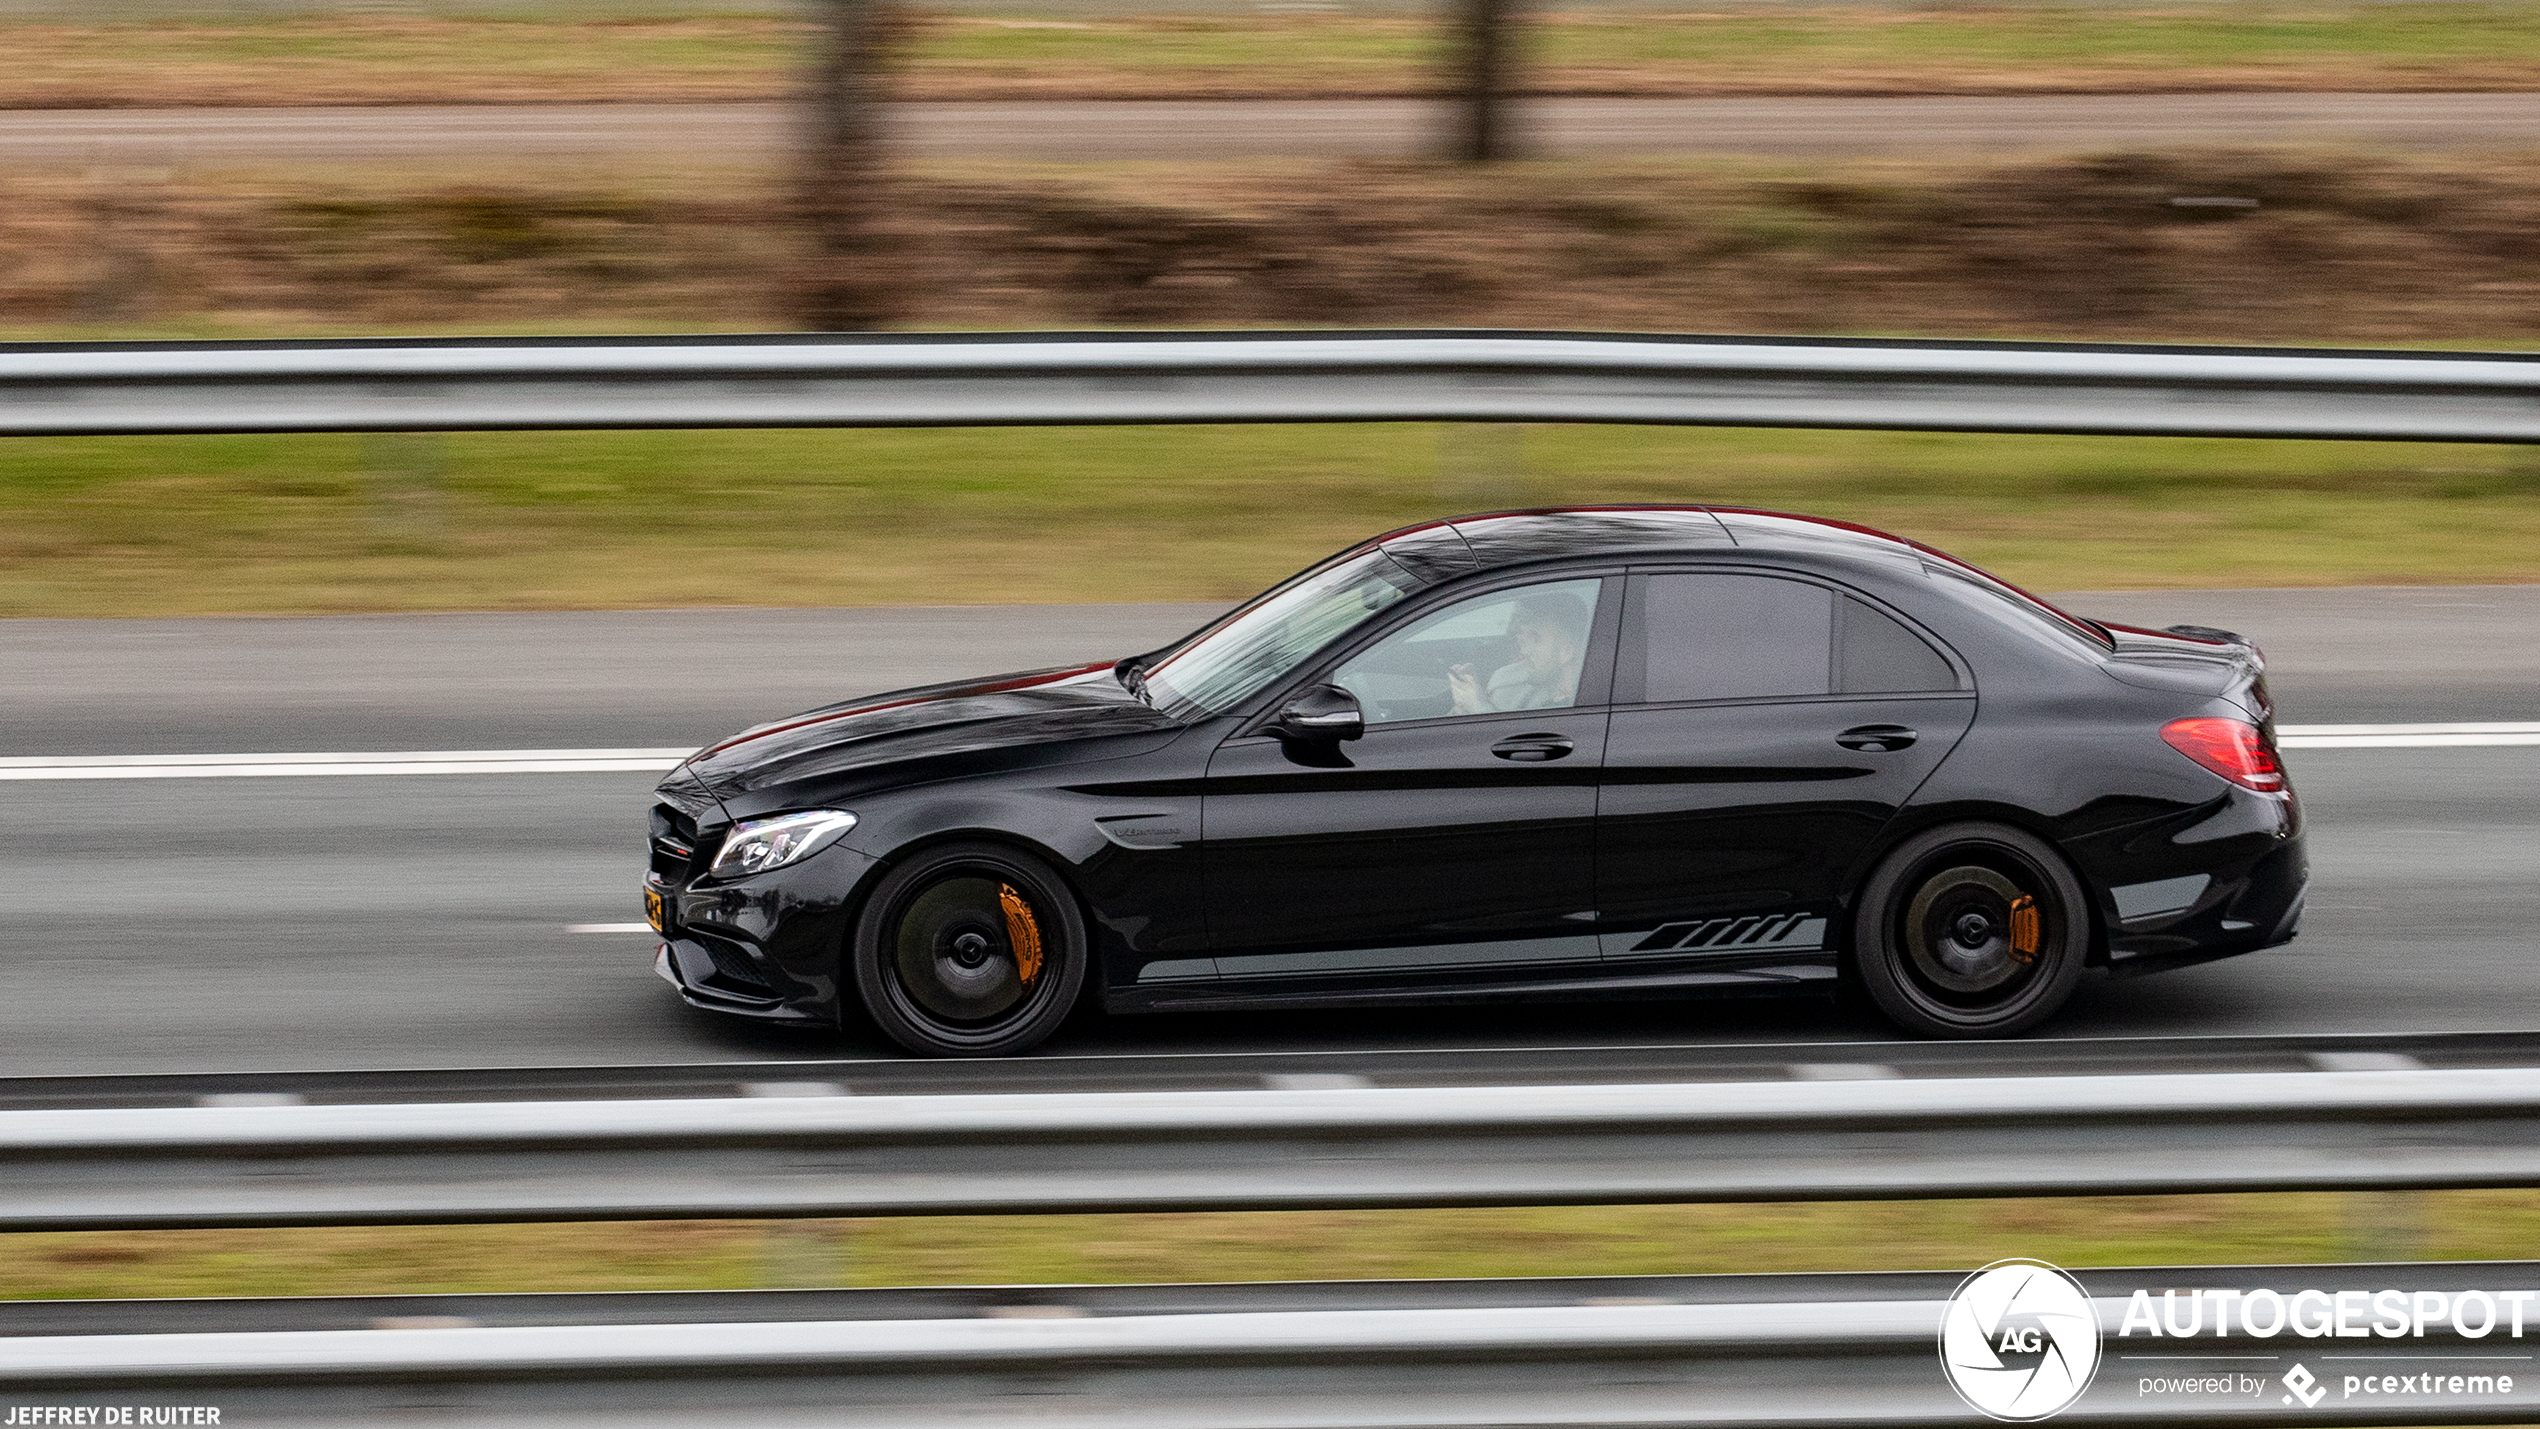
{"x": 1276, "y": 633}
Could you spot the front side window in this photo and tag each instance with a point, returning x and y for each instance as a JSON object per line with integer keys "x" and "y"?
{"x": 1724, "y": 636}
{"x": 1519, "y": 649}
{"x": 1276, "y": 633}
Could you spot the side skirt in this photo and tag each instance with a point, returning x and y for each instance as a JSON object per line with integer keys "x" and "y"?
{"x": 1805, "y": 972}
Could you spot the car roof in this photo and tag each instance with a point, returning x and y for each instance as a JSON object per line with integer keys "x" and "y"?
{"x": 1503, "y": 538}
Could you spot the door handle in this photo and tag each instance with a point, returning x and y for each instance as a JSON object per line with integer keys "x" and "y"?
{"x": 1533, "y": 748}
{"x": 1877, "y": 738}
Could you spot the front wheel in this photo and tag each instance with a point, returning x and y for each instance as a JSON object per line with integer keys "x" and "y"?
{"x": 969, "y": 950}
{"x": 1971, "y": 930}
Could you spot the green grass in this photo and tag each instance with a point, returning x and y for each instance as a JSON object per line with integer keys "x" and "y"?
{"x": 1973, "y": 39}
{"x": 201, "y": 525}
{"x": 2436, "y": 44}
{"x": 1797, "y": 48}
{"x": 329, "y": 59}
{"x": 1599, "y": 1240}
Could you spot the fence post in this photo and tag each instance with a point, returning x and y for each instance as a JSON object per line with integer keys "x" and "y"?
{"x": 846, "y": 283}
{"x": 1482, "y": 55}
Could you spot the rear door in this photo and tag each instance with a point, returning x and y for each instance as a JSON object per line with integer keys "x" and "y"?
{"x": 1766, "y": 727}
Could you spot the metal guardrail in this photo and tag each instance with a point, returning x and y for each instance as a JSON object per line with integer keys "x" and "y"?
{"x": 1267, "y": 1149}
{"x": 1254, "y": 1070}
{"x": 1840, "y": 1350}
{"x": 1036, "y": 379}
{"x": 1657, "y": 1350}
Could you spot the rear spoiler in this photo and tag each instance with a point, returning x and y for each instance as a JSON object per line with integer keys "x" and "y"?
{"x": 2225, "y": 662}
{"x": 2207, "y": 632}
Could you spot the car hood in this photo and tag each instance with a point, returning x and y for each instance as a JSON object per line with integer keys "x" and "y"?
{"x": 938, "y": 731}
{"x": 2190, "y": 658}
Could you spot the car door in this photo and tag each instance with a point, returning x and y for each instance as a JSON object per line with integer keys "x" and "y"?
{"x": 1766, "y": 727}
{"x": 1455, "y": 840}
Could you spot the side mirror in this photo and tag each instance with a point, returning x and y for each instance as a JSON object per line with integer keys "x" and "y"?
{"x": 1320, "y": 714}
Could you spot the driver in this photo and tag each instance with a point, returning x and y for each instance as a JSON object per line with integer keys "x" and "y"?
{"x": 1550, "y": 629}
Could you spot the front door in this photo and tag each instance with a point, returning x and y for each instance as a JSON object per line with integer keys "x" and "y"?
{"x": 1455, "y": 841}
{"x": 1765, "y": 729}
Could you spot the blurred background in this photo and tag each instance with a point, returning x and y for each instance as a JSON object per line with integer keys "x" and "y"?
{"x": 2212, "y": 171}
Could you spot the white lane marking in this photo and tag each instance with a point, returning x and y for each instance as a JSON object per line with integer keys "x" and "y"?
{"x": 1315, "y": 1081}
{"x": 653, "y": 761}
{"x": 1841, "y": 1071}
{"x": 2364, "y": 1061}
{"x": 285, "y": 766}
{"x": 608, "y": 927}
{"x": 2406, "y": 736}
{"x": 795, "y": 1089}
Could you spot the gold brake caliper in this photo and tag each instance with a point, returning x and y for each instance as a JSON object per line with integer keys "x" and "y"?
{"x": 2025, "y": 934}
{"x": 1023, "y": 930}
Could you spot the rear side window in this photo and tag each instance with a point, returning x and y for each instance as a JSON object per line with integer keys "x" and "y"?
{"x": 1873, "y": 655}
{"x": 1740, "y": 637}
{"x": 1734, "y": 637}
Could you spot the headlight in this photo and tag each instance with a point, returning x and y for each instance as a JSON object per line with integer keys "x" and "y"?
{"x": 757, "y": 845}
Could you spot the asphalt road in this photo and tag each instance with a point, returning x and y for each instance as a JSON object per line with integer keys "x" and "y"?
{"x": 244, "y": 924}
{"x": 1313, "y": 128}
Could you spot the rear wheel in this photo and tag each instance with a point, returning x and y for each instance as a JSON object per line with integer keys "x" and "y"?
{"x": 969, "y": 950}
{"x": 1971, "y": 930}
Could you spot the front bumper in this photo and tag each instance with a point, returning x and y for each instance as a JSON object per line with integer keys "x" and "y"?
{"x": 769, "y": 946}
{"x": 689, "y": 967}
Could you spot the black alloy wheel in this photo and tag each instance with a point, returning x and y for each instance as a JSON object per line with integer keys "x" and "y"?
{"x": 1971, "y": 930}
{"x": 969, "y": 950}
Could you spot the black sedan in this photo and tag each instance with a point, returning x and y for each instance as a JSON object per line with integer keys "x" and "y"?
{"x": 1593, "y": 752}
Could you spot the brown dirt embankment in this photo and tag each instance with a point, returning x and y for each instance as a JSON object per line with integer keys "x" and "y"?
{"x": 2253, "y": 246}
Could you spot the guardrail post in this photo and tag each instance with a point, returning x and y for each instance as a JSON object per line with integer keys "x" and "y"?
{"x": 126, "y": 206}
{"x": 405, "y": 473}
{"x": 1481, "y": 465}
{"x": 803, "y": 1255}
{"x": 2385, "y": 1225}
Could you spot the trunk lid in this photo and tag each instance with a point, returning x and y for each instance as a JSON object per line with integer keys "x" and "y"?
{"x": 2192, "y": 659}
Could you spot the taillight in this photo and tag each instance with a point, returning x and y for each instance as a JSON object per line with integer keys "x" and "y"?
{"x": 2235, "y": 749}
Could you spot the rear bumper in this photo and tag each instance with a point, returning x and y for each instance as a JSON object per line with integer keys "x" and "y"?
{"x": 2243, "y": 908}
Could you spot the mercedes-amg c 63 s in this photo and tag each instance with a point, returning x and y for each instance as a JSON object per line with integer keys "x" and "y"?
{"x": 1544, "y": 754}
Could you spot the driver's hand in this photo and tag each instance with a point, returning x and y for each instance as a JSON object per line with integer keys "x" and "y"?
{"x": 1465, "y": 683}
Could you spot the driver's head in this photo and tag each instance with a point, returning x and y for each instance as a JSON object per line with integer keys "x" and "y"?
{"x": 1550, "y": 629}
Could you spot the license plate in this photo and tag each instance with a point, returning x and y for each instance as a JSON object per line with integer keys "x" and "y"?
{"x": 657, "y": 912}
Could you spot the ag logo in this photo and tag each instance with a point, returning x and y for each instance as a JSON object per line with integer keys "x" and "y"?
{"x": 2019, "y": 1341}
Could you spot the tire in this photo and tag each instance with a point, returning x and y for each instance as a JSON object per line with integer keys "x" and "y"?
{"x": 944, "y": 952}
{"x": 1971, "y": 930}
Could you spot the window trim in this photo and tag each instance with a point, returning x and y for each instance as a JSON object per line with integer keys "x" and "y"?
{"x": 1190, "y": 711}
{"x": 1596, "y": 678}
{"x": 1630, "y": 689}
